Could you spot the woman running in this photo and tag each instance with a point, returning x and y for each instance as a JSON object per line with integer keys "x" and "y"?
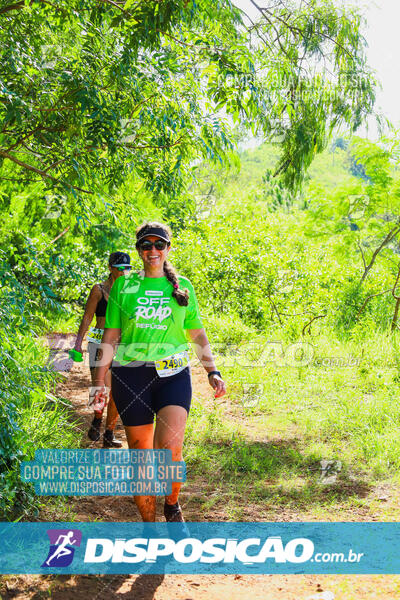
{"x": 118, "y": 265}
{"x": 148, "y": 315}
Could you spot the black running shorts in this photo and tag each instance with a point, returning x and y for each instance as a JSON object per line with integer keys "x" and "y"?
{"x": 139, "y": 392}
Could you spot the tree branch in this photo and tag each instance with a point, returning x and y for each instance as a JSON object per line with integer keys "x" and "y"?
{"x": 152, "y": 146}
{"x": 55, "y": 109}
{"x": 26, "y": 166}
{"x": 308, "y": 325}
{"x": 273, "y": 306}
{"x": 364, "y": 304}
{"x": 395, "y": 285}
{"x": 60, "y": 235}
{"x": 21, "y": 139}
{"x": 283, "y": 167}
{"x": 9, "y": 7}
{"x": 294, "y": 29}
{"x": 116, "y": 5}
{"x": 386, "y": 241}
{"x": 30, "y": 133}
{"x": 142, "y": 102}
{"x": 181, "y": 42}
{"x": 40, "y": 172}
{"x": 362, "y": 254}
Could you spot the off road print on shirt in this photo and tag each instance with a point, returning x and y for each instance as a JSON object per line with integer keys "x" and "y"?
{"x": 152, "y": 310}
{"x": 150, "y": 318}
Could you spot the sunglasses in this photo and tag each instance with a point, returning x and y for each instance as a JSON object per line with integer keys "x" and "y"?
{"x": 123, "y": 268}
{"x": 158, "y": 245}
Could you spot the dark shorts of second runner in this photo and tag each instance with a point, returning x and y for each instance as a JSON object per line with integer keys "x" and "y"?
{"x": 139, "y": 393}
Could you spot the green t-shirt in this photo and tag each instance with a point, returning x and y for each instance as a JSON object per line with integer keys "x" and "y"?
{"x": 151, "y": 321}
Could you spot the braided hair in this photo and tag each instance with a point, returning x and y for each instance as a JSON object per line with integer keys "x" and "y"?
{"x": 180, "y": 295}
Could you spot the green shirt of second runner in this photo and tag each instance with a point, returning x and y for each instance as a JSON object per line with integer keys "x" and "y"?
{"x": 151, "y": 321}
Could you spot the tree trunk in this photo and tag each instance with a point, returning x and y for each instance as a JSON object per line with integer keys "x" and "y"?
{"x": 396, "y": 314}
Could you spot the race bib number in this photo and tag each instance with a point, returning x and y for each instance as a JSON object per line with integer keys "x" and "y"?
{"x": 172, "y": 364}
{"x": 95, "y": 335}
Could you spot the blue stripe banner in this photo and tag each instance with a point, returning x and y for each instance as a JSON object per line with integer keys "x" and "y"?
{"x": 196, "y": 548}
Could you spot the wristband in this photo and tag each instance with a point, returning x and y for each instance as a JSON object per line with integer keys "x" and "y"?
{"x": 214, "y": 373}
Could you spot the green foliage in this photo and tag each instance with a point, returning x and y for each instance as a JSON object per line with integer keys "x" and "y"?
{"x": 349, "y": 303}
{"x": 276, "y": 194}
{"x": 278, "y": 285}
{"x": 227, "y": 330}
{"x": 31, "y": 417}
{"x": 112, "y": 113}
{"x": 137, "y": 88}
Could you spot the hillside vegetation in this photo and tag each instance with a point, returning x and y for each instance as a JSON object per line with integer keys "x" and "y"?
{"x": 124, "y": 111}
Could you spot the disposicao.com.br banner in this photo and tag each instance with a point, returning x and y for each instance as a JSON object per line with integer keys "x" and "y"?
{"x": 195, "y": 548}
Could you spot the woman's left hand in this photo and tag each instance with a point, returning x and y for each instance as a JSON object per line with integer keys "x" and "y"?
{"x": 218, "y": 384}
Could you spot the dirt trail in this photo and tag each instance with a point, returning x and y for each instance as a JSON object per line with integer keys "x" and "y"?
{"x": 177, "y": 587}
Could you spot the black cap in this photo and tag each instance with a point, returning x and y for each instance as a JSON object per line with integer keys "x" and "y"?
{"x": 156, "y": 231}
{"x": 119, "y": 259}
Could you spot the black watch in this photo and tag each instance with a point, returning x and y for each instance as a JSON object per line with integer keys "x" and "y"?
{"x": 214, "y": 373}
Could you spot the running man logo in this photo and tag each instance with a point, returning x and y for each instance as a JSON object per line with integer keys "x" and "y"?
{"x": 61, "y": 551}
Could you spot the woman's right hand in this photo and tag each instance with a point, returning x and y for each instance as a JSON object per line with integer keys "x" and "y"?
{"x": 98, "y": 397}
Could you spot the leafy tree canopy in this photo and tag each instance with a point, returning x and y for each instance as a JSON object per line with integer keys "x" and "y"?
{"x": 92, "y": 90}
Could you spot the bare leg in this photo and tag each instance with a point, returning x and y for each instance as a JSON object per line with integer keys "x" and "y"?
{"x": 141, "y": 437}
{"x": 169, "y": 434}
{"x": 97, "y": 413}
{"x": 112, "y": 413}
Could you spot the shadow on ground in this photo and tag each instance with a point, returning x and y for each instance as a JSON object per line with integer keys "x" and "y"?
{"x": 66, "y": 587}
{"x": 276, "y": 472}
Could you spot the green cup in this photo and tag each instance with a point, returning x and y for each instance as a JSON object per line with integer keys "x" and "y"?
{"x": 75, "y": 355}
